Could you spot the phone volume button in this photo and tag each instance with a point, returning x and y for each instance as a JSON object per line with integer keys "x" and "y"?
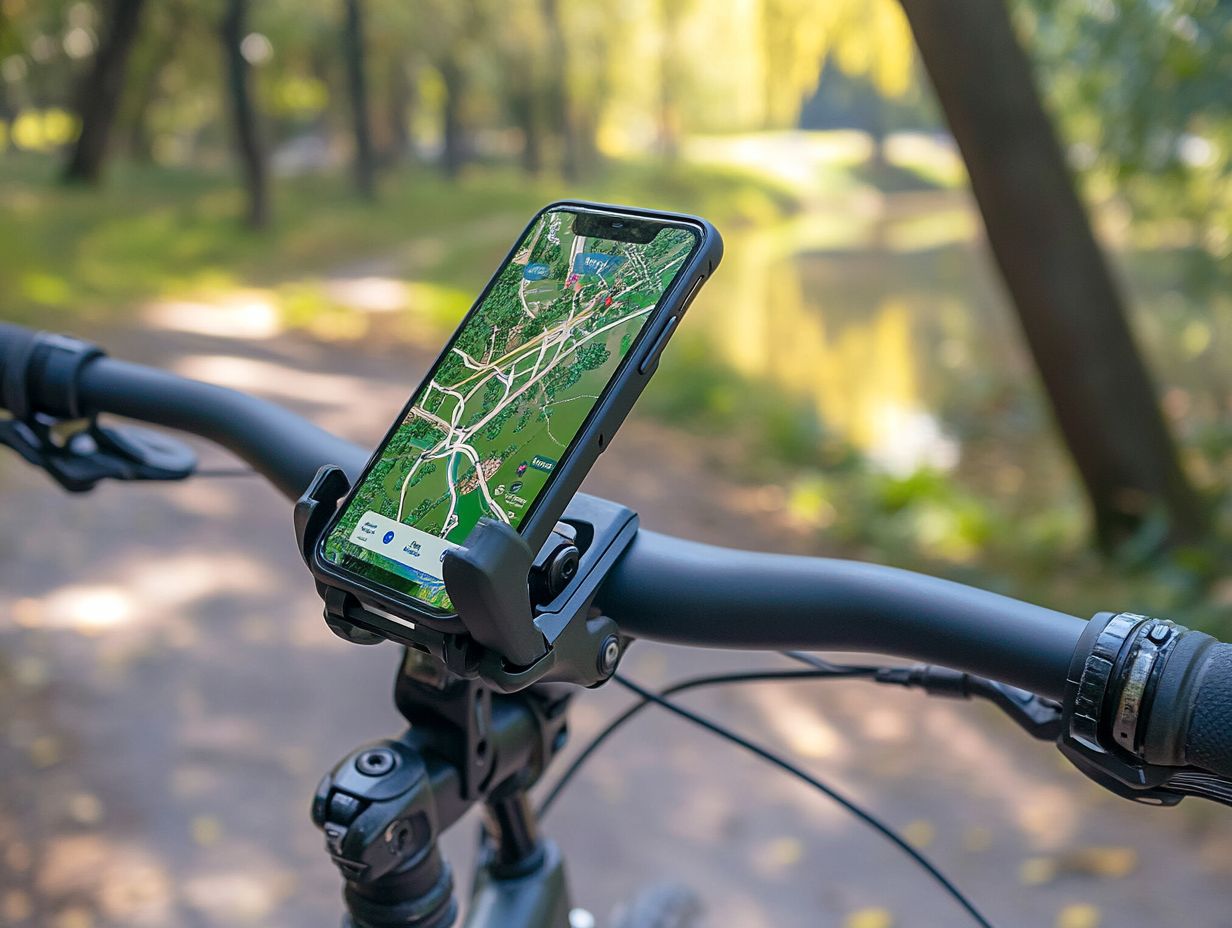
{"x": 688, "y": 300}
{"x": 651, "y": 359}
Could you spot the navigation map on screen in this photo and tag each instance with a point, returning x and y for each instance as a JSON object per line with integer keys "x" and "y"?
{"x": 503, "y": 404}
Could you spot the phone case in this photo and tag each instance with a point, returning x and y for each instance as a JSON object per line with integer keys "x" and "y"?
{"x": 637, "y": 368}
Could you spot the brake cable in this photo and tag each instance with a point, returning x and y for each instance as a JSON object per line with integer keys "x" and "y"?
{"x": 829, "y": 671}
{"x": 778, "y": 761}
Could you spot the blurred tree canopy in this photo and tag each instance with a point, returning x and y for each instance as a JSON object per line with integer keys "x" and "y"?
{"x": 1141, "y": 88}
{"x": 1138, "y": 89}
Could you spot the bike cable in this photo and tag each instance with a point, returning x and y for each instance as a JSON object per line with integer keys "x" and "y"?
{"x": 785, "y": 765}
{"x": 819, "y": 663}
{"x": 225, "y": 472}
{"x": 829, "y": 671}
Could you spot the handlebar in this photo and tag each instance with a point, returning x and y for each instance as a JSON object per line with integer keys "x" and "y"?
{"x": 663, "y": 589}
{"x": 682, "y": 592}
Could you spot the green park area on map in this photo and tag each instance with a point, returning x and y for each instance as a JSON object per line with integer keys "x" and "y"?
{"x": 483, "y": 436}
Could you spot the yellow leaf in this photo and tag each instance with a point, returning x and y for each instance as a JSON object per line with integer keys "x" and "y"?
{"x": 206, "y": 830}
{"x": 920, "y": 833}
{"x": 1110, "y": 862}
{"x": 869, "y": 918}
{"x": 45, "y": 751}
{"x": 1079, "y": 915}
{"x": 784, "y": 852}
{"x": 1035, "y": 871}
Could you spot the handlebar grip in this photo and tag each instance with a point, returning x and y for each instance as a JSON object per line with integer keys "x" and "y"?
{"x": 1190, "y": 720}
{"x": 1208, "y": 742}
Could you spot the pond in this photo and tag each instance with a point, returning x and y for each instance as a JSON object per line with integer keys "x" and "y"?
{"x": 884, "y": 323}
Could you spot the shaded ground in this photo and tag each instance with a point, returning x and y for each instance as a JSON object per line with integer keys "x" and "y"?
{"x": 172, "y": 698}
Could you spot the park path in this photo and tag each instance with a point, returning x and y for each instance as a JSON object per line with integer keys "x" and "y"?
{"x": 172, "y": 697}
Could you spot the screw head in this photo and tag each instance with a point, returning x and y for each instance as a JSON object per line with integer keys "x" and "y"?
{"x": 609, "y": 654}
{"x": 376, "y": 762}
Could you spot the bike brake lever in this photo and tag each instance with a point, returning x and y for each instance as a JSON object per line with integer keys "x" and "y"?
{"x": 80, "y": 458}
{"x": 1037, "y": 716}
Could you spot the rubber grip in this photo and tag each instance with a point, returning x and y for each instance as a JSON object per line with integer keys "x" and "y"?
{"x": 1208, "y": 743}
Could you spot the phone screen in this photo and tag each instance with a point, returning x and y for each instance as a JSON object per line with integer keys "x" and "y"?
{"x": 504, "y": 403}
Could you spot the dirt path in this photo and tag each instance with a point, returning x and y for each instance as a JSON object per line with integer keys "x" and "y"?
{"x": 172, "y": 697}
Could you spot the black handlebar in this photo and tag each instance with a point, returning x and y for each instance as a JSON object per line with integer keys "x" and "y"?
{"x": 663, "y": 589}
{"x": 283, "y": 447}
{"x": 682, "y": 592}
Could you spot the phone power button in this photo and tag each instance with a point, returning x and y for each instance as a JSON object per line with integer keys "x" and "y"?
{"x": 688, "y": 300}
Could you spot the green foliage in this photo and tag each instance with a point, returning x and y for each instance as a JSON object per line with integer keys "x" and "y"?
{"x": 152, "y": 232}
{"x": 1141, "y": 91}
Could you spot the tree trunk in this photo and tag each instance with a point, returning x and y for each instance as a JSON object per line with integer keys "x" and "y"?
{"x": 98, "y": 97}
{"x": 243, "y": 115}
{"x": 670, "y": 72}
{"x": 399, "y": 101}
{"x": 353, "y": 43}
{"x": 455, "y": 152}
{"x": 140, "y": 145}
{"x": 557, "y": 103}
{"x": 523, "y": 109}
{"x": 1058, "y": 279}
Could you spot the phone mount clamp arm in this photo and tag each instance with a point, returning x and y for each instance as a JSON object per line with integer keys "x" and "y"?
{"x": 524, "y": 617}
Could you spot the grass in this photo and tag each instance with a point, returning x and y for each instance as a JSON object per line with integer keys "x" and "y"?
{"x": 152, "y": 232}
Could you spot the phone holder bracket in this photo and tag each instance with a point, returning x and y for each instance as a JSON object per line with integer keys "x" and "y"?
{"x": 524, "y": 617}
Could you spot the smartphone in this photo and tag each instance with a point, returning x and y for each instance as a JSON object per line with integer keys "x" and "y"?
{"x": 524, "y": 397}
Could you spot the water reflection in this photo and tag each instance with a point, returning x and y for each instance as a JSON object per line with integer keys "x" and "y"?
{"x": 878, "y": 321}
{"x": 883, "y": 319}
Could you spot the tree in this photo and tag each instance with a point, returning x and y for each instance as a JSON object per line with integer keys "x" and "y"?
{"x": 1069, "y": 306}
{"x": 455, "y": 137}
{"x": 161, "y": 42}
{"x": 98, "y": 97}
{"x": 353, "y": 45}
{"x": 243, "y": 114}
{"x": 671, "y": 73}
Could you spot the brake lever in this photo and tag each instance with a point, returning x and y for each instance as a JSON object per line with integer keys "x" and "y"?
{"x": 80, "y": 458}
{"x": 1044, "y": 719}
{"x": 49, "y": 427}
{"x": 1038, "y": 717}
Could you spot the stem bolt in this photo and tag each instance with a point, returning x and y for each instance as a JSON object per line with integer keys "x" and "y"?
{"x": 609, "y": 655}
{"x": 376, "y": 762}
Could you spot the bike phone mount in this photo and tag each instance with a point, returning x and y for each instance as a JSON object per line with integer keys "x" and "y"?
{"x": 522, "y": 617}
{"x": 487, "y": 713}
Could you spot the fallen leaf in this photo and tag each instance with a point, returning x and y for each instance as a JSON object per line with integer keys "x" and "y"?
{"x": 45, "y": 751}
{"x": 1079, "y": 915}
{"x": 206, "y": 830}
{"x": 1109, "y": 862}
{"x": 920, "y": 833}
{"x": 16, "y": 906}
{"x": 869, "y": 918}
{"x": 1035, "y": 871}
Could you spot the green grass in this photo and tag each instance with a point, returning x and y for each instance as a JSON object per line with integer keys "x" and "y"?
{"x": 149, "y": 232}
